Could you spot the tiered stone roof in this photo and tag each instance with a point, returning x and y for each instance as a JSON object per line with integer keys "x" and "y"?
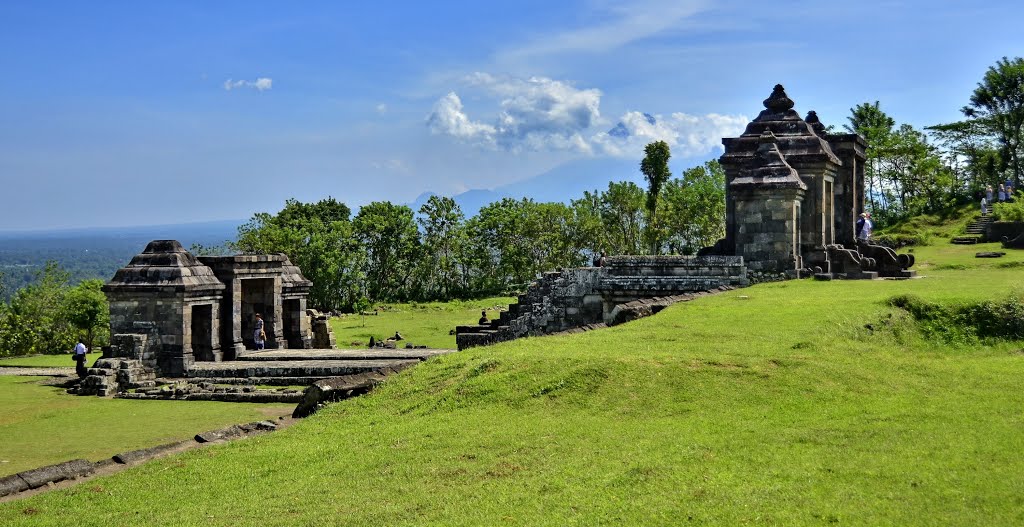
{"x": 164, "y": 266}
{"x": 797, "y": 140}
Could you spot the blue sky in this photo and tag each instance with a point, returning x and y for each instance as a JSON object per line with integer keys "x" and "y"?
{"x": 136, "y": 113}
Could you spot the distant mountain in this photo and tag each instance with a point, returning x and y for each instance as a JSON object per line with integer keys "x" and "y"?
{"x": 563, "y": 183}
{"x": 470, "y": 201}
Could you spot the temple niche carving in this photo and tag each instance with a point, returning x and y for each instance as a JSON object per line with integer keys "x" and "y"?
{"x": 793, "y": 194}
{"x": 169, "y": 309}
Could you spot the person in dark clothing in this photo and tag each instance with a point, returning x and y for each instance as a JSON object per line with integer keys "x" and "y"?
{"x": 483, "y": 318}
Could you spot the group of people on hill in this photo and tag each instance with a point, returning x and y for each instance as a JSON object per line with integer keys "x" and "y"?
{"x": 1004, "y": 194}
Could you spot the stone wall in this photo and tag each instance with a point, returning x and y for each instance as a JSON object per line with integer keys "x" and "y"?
{"x": 573, "y": 298}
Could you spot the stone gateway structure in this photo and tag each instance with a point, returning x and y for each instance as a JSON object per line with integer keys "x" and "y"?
{"x": 169, "y": 309}
{"x": 793, "y": 194}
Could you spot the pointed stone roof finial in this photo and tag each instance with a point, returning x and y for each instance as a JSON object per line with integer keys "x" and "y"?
{"x": 778, "y": 101}
{"x": 816, "y": 125}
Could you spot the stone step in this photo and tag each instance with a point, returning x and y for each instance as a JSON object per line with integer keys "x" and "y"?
{"x": 246, "y": 381}
{"x": 965, "y": 240}
{"x": 294, "y": 368}
{"x": 341, "y": 355}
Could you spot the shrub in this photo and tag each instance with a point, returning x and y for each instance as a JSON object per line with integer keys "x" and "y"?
{"x": 991, "y": 319}
{"x": 1009, "y": 211}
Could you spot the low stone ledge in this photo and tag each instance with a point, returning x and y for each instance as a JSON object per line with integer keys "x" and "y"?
{"x": 12, "y": 484}
{"x": 336, "y": 389}
{"x": 39, "y": 477}
{"x": 144, "y": 454}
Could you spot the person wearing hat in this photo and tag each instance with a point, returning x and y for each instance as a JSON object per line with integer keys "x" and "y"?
{"x": 864, "y": 227}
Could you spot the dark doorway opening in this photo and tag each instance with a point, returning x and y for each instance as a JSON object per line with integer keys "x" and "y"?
{"x": 258, "y": 297}
{"x": 202, "y": 332}
{"x": 292, "y": 322}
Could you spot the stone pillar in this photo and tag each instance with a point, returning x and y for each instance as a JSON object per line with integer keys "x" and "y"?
{"x": 768, "y": 229}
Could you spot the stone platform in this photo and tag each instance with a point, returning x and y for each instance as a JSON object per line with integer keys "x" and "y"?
{"x": 307, "y": 366}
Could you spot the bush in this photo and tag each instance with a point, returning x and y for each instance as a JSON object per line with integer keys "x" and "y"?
{"x": 897, "y": 241}
{"x": 1008, "y": 211}
{"x": 991, "y": 319}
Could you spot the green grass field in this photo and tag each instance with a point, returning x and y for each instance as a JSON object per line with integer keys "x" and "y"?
{"x": 48, "y": 361}
{"x": 770, "y": 405}
{"x": 427, "y": 324}
{"x": 41, "y": 425}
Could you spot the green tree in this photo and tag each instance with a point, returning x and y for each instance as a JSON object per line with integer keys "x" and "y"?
{"x": 876, "y": 127}
{"x": 388, "y": 235}
{"x": 318, "y": 238}
{"x": 439, "y": 275}
{"x": 693, "y": 208}
{"x": 86, "y": 308}
{"x": 998, "y": 104}
{"x": 35, "y": 319}
{"x": 654, "y": 166}
{"x": 622, "y": 211}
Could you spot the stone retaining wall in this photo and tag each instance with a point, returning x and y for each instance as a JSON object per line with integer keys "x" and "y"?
{"x": 573, "y": 298}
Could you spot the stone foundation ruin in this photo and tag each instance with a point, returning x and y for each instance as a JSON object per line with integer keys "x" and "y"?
{"x": 573, "y": 298}
{"x": 169, "y": 309}
{"x": 182, "y": 329}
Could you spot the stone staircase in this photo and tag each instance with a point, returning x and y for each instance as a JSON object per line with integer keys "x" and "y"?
{"x": 975, "y": 231}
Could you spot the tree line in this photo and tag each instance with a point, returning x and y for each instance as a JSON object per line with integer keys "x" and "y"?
{"x": 49, "y": 315}
{"x": 389, "y": 252}
{"x": 911, "y": 172}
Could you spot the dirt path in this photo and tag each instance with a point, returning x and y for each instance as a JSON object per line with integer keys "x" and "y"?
{"x": 38, "y": 372}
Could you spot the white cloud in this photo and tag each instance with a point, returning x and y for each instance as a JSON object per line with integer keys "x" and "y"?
{"x": 534, "y": 114}
{"x": 688, "y": 135}
{"x": 449, "y": 119}
{"x": 622, "y": 23}
{"x": 392, "y": 165}
{"x": 260, "y": 84}
{"x": 382, "y": 108}
{"x": 541, "y": 114}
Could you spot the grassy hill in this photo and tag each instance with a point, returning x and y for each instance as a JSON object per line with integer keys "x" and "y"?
{"x": 795, "y": 403}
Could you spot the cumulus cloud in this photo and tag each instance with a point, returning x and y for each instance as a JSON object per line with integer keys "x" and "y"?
{"x": 260, "y": 84}
{"x": 688, "y": 135}
{"x": 448, "y": 118}
{"x": 534, "y": 114}
{"x": 542, "y": 114}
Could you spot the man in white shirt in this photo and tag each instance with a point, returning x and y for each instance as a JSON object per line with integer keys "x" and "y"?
{"x": 79, "y": 356}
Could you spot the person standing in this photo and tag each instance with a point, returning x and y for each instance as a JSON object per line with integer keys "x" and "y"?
{"x": 984, "y": 207}
{"x": 80, "y": 352}
{"x": 864, "y": 227}
{"x": 988, "y": 194}
{"x": 259, "y": 336}
{"x": 1002, "y": 193}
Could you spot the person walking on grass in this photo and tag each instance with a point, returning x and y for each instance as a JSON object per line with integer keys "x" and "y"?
{"x": 259, "y": 336}
{"x": 79, "y": 354}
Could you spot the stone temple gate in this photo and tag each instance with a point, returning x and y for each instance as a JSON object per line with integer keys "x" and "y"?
{"x": 793, "y": 195}
{"x": 170, "y": 309}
